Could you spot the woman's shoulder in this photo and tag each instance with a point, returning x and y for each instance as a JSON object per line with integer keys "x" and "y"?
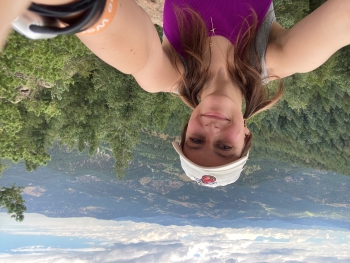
{"x": 161, "y": 73}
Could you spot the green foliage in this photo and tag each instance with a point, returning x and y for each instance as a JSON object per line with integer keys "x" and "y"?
{"x": 58, "y": 90}
{"x": 39, "y": 64}
{"x": 22, "y": 136}
{"x": 3, "y": 167}
{"x": 11, "y": 199}
{"x": 310, "y": 126}
{"x": 249, "y": 169}
{"x": 313, "y": 4}
{"x": 289, "y": 12}
{"x": 159, "y": 31}
{"x": 32, "y": 73}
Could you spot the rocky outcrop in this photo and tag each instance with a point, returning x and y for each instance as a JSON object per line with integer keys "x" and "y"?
{"x": 154, "y": 9}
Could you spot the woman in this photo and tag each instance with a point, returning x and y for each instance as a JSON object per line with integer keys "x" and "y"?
{"x": 212, "y": 65}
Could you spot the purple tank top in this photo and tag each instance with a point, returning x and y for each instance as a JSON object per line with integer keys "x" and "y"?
{"x": 225, "y": 16}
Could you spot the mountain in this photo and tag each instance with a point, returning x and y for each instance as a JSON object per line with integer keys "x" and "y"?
{"x": 267, "y": 190}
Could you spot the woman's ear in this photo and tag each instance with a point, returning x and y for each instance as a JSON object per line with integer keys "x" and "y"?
{"x": 246, "y": 131}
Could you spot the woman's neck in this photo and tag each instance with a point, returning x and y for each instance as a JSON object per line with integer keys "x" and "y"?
{"x": 216, "y": 53}
{"x": 220, "y": 82}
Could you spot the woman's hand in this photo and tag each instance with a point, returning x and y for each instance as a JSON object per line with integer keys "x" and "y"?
{"x": 9, "y": 10}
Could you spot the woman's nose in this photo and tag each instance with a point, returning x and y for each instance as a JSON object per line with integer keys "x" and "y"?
{"x": 214, "y": 126}
{"x": 213, "y": 123}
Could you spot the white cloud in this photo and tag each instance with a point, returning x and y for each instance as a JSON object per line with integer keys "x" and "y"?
{"x": 126, "y": 241}
{"x": 38, "y": 249}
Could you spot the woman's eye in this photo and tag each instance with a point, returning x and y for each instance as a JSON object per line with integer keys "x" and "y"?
{"x": 224, "y": 147}
{"x": 194, "y": 140}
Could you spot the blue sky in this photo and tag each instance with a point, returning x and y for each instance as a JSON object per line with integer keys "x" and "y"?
{"x": 42, "y": 239}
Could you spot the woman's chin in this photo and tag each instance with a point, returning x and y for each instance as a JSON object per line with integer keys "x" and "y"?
{"x": 221, "y": 106}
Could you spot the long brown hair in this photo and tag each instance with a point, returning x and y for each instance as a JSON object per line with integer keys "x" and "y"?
{"x": 243, "y": 64}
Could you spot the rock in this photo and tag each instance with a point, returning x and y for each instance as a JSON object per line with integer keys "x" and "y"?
{"x": 154, "y": 9}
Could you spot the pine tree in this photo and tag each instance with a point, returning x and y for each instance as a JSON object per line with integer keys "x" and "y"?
{"x": 12, "y": 200}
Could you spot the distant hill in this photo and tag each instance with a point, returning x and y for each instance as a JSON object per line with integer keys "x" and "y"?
{"x": 267, "y": 190}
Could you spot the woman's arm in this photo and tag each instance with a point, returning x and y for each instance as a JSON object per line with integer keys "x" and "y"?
{"x": 131, "y": 44}
{"x": 310, "y": 42}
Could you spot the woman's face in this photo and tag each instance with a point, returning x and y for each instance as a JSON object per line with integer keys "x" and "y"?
{"x": 216, "y": 134}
